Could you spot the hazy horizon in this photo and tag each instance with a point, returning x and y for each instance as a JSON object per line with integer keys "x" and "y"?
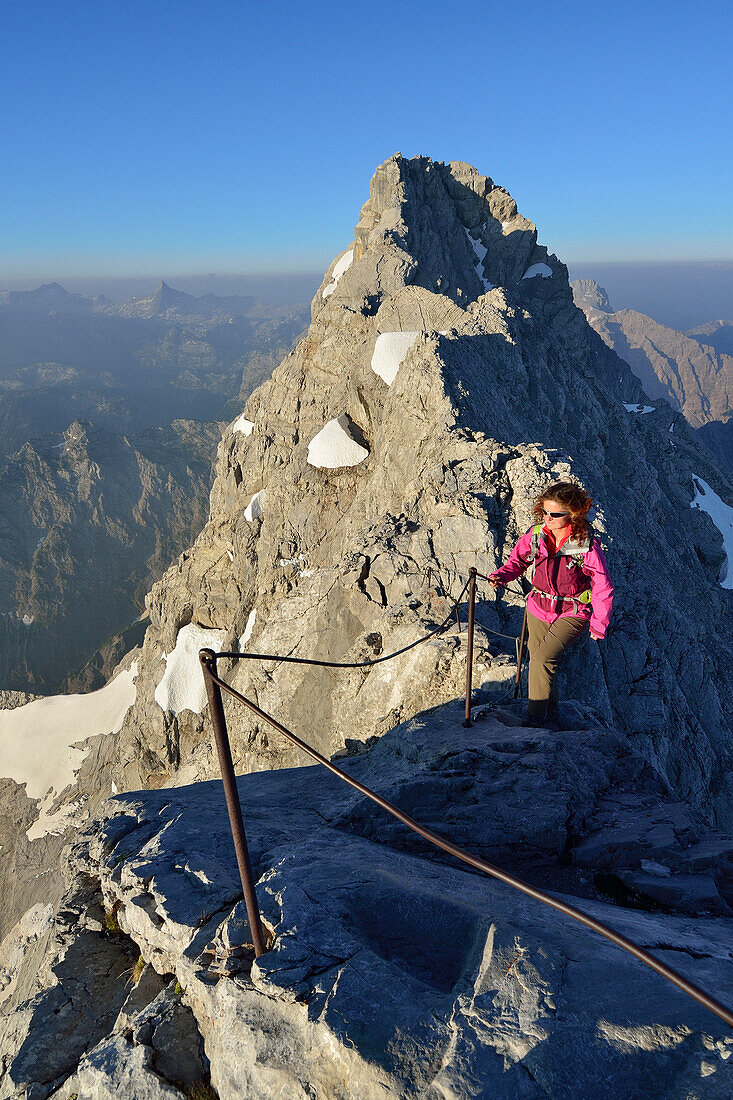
{"x": 681, "y": 294}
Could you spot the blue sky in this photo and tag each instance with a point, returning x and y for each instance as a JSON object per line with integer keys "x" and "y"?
{"x": 179, "y": 136}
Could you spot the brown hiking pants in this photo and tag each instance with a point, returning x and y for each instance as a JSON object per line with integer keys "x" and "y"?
{"x": 547, "y": 643}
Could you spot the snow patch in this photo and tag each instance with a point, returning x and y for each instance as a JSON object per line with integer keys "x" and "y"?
{"x": 342, "y": 266}
{"x": 49, "y": 822}
{"x": 182, "y": 686}
{"x": 334, "y": 446}
{"x": 27, "y": 620}
{"x": 248, "y": 629}
{"x": 389, "y": 352}
{"x": 243, "y": 425}
{"x": 256, "y": 507}
{"x": 41, "y": 742}
{"x": 639, "y": 408}
{"x": 299, "y": 563}
{"x": 480, "y": 253}
{"x": 707, "y": 500}
{"x": 538, "y": 269}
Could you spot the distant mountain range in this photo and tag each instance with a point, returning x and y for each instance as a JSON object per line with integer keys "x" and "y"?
{"x": 52, "y": 296}
{"x": 110, "y": 416}
{"x": 682, "y": 294}
{"x": 136, "y": 365}
{"x": 692, "y": 370}
{"x": 90, "y": 518}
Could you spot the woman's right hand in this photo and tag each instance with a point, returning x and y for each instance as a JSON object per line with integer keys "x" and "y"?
{"x": 494, "y": 582}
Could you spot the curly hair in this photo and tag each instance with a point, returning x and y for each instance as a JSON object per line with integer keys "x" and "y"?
{"x": 572, "y": 497}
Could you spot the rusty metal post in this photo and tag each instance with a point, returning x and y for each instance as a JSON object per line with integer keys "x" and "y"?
{"x": 520, "y": 654}
{"x": 469, "y": 657}
{"x": 216, "y": 707}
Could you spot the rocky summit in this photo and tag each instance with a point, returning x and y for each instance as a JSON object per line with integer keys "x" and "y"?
{"x": 447, "y": 376}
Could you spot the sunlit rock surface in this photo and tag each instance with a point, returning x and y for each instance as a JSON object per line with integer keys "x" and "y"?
{"x": 393, "y": 970}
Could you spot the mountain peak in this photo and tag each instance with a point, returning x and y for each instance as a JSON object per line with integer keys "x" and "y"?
{"x": 588, "y": 294}
{"x": 165, "y": 290}
{"x": 444, "y": 227}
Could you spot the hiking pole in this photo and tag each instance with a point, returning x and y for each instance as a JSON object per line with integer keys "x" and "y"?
{"x": 520, "y": 654}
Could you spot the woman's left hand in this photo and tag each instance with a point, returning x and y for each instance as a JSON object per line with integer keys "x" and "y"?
{"x": 596, "y": 637}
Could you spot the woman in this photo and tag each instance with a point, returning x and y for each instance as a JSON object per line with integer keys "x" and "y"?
{"x": 571, "y": 588}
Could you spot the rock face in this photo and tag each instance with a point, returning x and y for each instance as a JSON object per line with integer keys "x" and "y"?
{"x": 392, "y": 972}
{"x": 83, "y": 1017}
{"x": 456, "y": 378}
{"x": 717, "y": 334}
{"x": 89, "y": 521}
{"x": 590, "y": 296}
{"x": 688, "y": 370}
{"x": 718, "y": 438}
{"x": 493, "y": 395}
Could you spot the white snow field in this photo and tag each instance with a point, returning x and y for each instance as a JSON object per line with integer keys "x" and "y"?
{"x": 334, "y": 446}
{"x": 707, "y": 500}
{"x": 256, "y": 507}
{"x": 389, "y": 351}
{"x": 341, "y": 267}
{"x": 640, "y": 408}
{"x": 182, "y": 686}
{"x": 538, "y": 269}
{"x": 480, "y": 253}
{"x": 41, "y": 742}
{"x": 243, "y": 425}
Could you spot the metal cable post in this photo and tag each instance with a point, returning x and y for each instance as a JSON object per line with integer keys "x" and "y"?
{"x": 216, "y": 707}
{"x": 469, "y": 657}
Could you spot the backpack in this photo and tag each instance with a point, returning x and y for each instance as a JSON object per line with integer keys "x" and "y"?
{"x": 576, "y": 553}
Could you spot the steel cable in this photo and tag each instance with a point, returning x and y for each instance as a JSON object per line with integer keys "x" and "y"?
{"x": 350, "y": 664}
{"x": 376, "y": 660}
{"x": 473, "y": 861}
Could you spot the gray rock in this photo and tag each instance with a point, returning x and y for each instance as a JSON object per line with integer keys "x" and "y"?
{"x": 417, "y": 978}
{"x": 501, "y": 392}
{"x": 690, "y": 374}
{"x": 588, "y": 295}
{"x": 394, "y": 973}
{"x": 9, "y": 700}
{"x": 693, "y": 894}
{"x": 117, "y": 1067}
{"x": 391, "y": 970}
{"x": 75, "y": 997}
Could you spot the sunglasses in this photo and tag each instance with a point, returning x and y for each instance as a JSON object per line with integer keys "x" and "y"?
{"x": 554, "y": 515}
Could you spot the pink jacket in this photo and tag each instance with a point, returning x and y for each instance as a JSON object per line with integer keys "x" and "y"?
{"x": 593, "y": 567}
